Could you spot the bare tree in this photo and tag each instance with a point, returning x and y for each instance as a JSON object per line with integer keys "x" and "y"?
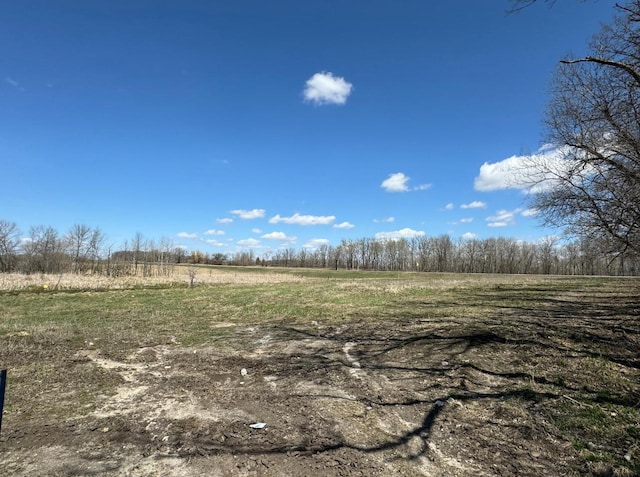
{"x": 9, "y": 241}
{"x": 96, "y": 245}
{"x": 593, "y": 188}
{"x": 44, "y": 250}
{"x": 192, "y": 271}
{"x": 78, "y": 243}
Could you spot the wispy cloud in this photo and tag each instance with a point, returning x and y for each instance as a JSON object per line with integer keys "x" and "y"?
{"x": 449, "y": 206}
{"x": 325, "y": 88}
{"x": 225, "y": 220}
{"x": 399, "y": 182}
{"x": 298, "y": 219}
{"x": 256, "y": 230}
{"x": 343, "y": 225}
{"x": 385, "y": 220}
{"x": 214, "y": 232}
{"x": 13, "y": 83}
{"x": 406, "y": 233}
{"x": 249, "y": 214}
{"x": 279, "y": 236}
{"x": 248, "y": 243}
{"x": 187, "y": 235}
{"x": 476, "y": 204}
{"x": 314, "y": 244}
{"x": 215, "y": 243}
{"x": 465, "y": 220}
{"x": 530, "y": 212}
{"x": 503, "y": 218}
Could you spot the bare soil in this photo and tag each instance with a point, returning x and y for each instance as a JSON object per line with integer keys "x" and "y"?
{"x": 363, "y": 397}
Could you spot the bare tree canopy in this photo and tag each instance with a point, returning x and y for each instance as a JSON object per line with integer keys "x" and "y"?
{"x": 518, "y": 5}
{"x": 594, "y": 121}
{"x": 9, "y": 242}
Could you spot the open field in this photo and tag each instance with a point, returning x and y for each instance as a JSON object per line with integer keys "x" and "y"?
{"x": 354, "y": 374}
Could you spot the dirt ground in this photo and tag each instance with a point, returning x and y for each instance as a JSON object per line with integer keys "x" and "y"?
{"x": 424, "y": 397}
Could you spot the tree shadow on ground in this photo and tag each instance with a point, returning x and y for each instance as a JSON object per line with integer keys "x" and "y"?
{"x": 534, "y": 354}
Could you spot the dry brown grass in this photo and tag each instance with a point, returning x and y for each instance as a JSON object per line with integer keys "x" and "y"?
{"x": 178, "y": 277}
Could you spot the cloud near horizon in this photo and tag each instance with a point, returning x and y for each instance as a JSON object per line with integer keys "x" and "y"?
{"x": 249, "y": 214}
{"x": 314, "y": 244}
{"x": 187, "y": 235}
{"x": 279, "y": 236}
{"x": 399, "y": 182}
{"x": 325, "y": 88}
{"x": 298, "y": 219}
{"x": 405, "y": 233}
{"x": 503, "y": 218}
{"x": 343, "y": 225}
{"x": 250, "y": 243}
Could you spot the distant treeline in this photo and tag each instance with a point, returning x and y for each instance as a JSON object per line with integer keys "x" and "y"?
{"x": 84, "y": 250}
{"x": 444, "y": 254}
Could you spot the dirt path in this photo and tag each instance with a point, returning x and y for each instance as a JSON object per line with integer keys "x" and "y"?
{"x": 332, "y": 404}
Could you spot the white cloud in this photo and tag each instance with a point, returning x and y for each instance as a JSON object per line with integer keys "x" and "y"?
{"x": 503, "y": 218}
{"x": 449, "y": 206}
{"x": 249, "y": 214}
{"x": 523, "y": 172}
{"x": 406, "y": 233}
{"x": 279, "y": 236}
{"x": 298, "y": 219}
{"x": 215, "y": 243}
{"x": 325, "y": 88}
{"x": 187, "y": 235}
{"x": 469, "y": 236}
{"x": 530, "y": 212}
{"x": 314, "y": 244}
{"x": 225, "y": 220}
{"x": 466, "y": 220}
{"x": 398, "y": 182}
{"x": 476, "y": 204}
{"x": 250, "y": 243}
{"x": 214, "y": 232}
{"x": 256, "y": 231}
{"x": 386, "y": 220}
{"x": 343, "y": 225}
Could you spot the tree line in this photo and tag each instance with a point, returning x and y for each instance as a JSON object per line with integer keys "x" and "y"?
{"x": 84, "y": 250}
{"x": 444, "y": 254}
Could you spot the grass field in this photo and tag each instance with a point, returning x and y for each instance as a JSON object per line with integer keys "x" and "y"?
{"x": 353, "y": 374}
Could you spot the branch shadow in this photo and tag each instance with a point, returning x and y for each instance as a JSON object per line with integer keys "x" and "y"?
{"x": 436, "y": 364}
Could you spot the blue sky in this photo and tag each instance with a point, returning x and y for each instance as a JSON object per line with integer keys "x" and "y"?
{"x": 225, "y": 125}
